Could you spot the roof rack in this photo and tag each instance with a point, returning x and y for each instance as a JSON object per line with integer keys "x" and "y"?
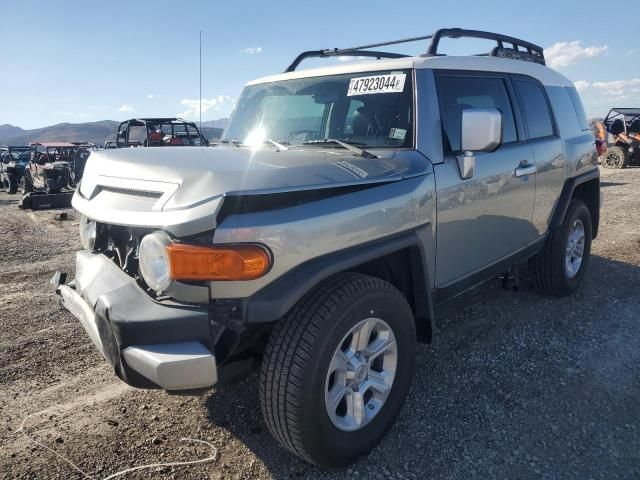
{"x": 518, "y": 49}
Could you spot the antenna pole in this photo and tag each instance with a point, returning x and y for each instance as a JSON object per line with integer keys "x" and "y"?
{"x": 200, "y": 109}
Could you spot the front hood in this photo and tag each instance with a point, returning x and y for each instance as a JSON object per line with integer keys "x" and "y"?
{"x": 171, "y": 180}
{"x": 195, "y": 174}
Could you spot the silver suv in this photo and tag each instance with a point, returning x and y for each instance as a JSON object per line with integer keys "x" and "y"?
{"x": 343, "y": 207}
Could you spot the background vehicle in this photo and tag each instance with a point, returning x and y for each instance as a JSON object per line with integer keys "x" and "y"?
{"x": 324, "y": 234}
{"x": 50, "y": 178}
{"x": 110, "y": 145}
{"x": 624, "y": 126}
{"x": 158, "y": 132}
{"x": 13, "y": 161}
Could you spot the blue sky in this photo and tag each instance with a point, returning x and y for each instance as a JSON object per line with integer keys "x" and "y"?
{"x": 77, "y": 61}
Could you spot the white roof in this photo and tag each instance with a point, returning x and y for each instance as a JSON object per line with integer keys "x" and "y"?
{"x": 544, "y": 74}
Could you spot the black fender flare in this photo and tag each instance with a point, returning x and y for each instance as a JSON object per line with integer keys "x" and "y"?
{"x": 568, "y": 189}
{"x": 276, "y": 299}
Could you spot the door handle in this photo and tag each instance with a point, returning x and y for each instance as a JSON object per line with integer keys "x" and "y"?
{"x": 526, "y": 170}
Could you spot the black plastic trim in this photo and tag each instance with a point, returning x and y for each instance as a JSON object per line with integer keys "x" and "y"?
{"x": 448, "y": 292}
{"x": 275, "y": 300}
{"x": 557, "y": 216}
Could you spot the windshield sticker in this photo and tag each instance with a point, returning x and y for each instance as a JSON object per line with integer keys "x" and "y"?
{"x": 393, "y": 83}
{"x": 398, "y": 133}
{"x": 351, "y": 168}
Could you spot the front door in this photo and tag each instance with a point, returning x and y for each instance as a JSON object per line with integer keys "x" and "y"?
{"x": 488, "y": 217}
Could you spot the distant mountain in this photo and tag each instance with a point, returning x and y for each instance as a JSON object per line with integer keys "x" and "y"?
{"x": 220, "y": 123}
{"x": 211, "y": 134}
{"x": 94, "y": 132}
{"x": 7, "y": 131}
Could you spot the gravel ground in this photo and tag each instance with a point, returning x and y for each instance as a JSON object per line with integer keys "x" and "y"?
{"x": 515, "y": 386}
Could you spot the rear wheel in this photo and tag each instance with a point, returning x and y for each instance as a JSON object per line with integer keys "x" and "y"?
{"x": 614, "y": 157}
{"x": 559, "y": 268}
{"x": 11, "y": 184}
{"x": 337, "y": 369}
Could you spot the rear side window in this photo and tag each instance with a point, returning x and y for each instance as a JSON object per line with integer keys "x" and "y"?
{"x": 579, "y": 108}
{"x": 457, "y": 93}
{"x": 535, "y": 108}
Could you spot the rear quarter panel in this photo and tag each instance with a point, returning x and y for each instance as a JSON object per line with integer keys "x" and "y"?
{"x": 573, "y": 154}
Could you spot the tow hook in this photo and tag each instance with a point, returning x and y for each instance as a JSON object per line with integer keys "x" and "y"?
{"x": 59, "y": 278}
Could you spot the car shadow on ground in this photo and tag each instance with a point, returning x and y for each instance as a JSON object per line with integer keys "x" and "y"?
{"x": 519, "y": 385}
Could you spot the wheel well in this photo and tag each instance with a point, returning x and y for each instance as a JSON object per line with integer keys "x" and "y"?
{"x": 589, "y": 193}
{"x": 405, "y": 271}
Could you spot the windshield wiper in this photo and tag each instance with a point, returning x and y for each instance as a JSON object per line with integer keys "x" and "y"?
{"x": 360, "y": 151}
{"x": 278, "y": 145}
{"x": 237, "y": 143}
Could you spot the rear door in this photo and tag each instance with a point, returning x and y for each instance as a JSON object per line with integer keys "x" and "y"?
{"x": 542, "y": 134}
{"x": 487, "y": 218}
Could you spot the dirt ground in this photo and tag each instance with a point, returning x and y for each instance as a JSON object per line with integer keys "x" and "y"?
{"x": 515, "y": 386}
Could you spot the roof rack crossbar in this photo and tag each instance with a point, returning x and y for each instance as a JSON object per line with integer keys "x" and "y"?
{"x": 532, "y": 52}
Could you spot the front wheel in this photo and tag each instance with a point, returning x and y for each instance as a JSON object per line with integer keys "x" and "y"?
{"x": 25, "y": 185}
{"x": 558, "y": 269}
{"x": 337, "y": 369}
{"x": 11, "y": 184}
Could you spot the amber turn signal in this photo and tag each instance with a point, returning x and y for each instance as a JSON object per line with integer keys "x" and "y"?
{"x": 234, "y": 262}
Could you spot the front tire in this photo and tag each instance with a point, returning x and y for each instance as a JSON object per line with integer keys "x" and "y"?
{"x": 558, "y": 269}
{"x": 25, "y": 185}
{"x": 337, "y": 369}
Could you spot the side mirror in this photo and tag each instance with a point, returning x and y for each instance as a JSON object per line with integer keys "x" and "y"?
{"x": 481, "y": 131}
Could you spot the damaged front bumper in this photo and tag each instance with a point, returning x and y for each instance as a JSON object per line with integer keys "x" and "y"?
{"x": 149, "y": 343}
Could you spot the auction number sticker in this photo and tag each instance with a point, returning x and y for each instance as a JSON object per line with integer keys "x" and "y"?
{"x": 377, "y": 84}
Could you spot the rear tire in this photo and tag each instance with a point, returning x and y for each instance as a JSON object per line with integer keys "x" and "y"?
{"x": 558, "y": 270}
{"x": 614, "y": 157}
{"x": 11, "y": 184}
{"x": 302, "y": 382}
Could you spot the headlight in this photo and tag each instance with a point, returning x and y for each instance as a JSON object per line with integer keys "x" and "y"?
{"x": 87, "y": 233}
{"x": 154, "y": 261}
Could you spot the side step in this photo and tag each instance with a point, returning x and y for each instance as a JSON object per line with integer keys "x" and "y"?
{"x": 44, "y": 201}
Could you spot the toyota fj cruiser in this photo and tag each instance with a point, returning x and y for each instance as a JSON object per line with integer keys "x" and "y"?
{"x": 343, "y": 207}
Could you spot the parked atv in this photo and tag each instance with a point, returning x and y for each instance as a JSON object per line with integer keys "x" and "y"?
{"x": 159, "y": 132}
{"x": 49, "y": 179}
{"x": 13, "y": 161}
{"x": 624, "y": 126}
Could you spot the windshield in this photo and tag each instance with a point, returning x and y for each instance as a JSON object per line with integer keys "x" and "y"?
{"x": 20, "y": 155}
{"x": 372, "y": 109}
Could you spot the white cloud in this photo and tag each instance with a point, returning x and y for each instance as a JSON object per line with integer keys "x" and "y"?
{"x": 207, "y": 104}
{"x": 563, "y": 54}
{"x": 250, "y": 51}
{"x": 151, "y": 96}
{"x": 126, "y": 108}
{"x": 616, "y": 88}
{"x": 598, "y": 97}
{"x": 581, "y": 85}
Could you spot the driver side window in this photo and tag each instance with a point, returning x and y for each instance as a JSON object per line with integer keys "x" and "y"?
{"x": 457, "y": 93}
